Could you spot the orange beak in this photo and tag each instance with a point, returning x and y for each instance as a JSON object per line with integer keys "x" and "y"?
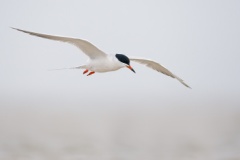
{"x": 131, "y": 68}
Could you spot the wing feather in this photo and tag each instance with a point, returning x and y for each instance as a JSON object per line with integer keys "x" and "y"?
{"x": 156, "y": 66}
{"x": 89, "y": 49}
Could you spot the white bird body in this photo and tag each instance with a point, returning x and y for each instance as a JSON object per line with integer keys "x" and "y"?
{"x": 106, "y": 64}
{"x": 102, "y": 62}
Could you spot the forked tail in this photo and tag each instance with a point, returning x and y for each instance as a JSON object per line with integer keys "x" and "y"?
{"x": 79, "y": 67}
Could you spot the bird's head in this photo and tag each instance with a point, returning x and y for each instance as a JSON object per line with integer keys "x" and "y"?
{"x": 125, "y": 60}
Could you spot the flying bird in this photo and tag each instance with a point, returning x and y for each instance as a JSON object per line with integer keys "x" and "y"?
{"x": 102, "y": 62}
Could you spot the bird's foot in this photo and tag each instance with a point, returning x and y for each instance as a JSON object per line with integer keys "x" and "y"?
{"x": 90, "y": 73}
{"x": 85, "y": 71}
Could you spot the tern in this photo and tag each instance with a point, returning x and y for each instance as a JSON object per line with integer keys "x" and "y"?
{"x": 102, "y": 62}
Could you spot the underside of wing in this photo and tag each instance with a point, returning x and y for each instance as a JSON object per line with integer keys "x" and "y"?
{"x": 156, "y": 66}
{"x": 89, "y": 49}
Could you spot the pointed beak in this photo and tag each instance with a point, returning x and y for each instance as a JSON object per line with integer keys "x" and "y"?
{"x": 131, "y": 68}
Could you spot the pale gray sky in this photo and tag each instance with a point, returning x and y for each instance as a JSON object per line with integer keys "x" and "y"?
{"x": 196, "y": 40}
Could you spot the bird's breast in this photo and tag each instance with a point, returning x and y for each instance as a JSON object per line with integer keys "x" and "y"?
{"x": 103, "y": 65}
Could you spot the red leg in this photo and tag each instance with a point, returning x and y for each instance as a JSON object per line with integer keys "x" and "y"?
{"x": 90, "y": 73}
{"x": 85, "y": 71}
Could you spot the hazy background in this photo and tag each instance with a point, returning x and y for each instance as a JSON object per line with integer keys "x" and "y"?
{"x": 120, "y": 115}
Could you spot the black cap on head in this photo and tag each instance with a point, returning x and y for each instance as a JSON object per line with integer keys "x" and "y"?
{"x": 122, "y": 58}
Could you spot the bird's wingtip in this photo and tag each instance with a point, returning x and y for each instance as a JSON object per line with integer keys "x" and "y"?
{"x": 189, "y": 87}
{"x": 185, "y": 84}
{"x": 181, "y": 81}
{"x": 15, "y": 28}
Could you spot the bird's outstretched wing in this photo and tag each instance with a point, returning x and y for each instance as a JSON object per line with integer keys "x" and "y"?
{"x": 156, "y": 66}
{"x": 89, "y": 49}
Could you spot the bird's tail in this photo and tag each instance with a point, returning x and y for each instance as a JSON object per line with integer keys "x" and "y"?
{"x": 79, "y": 67}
